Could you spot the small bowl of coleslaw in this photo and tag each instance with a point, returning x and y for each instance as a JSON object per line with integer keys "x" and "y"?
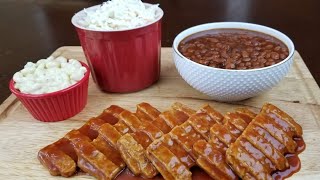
{"x": 52, "y": 89}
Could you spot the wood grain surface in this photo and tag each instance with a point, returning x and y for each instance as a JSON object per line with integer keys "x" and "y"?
{"x": 21, "y": 136}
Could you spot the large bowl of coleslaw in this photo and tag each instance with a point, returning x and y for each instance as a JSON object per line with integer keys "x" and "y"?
{"x": 121, "y": 40}
{"x": 52, "y": 90}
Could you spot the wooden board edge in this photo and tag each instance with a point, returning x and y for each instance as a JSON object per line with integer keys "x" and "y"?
{"x": 311, "y": 84}
{"x": 6, "y": 106}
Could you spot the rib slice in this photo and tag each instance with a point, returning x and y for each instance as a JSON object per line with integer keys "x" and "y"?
{"x": 147, "y": 112}
{"x": 264, "y": 134}
{"x": 215, "y": 115}
{"x": 56, "y": 161}
{"x": 251, "y": 164}
{"x": 183, "y": 108}
{"x": 236, "y": 120}
{"x": 167, "y": 163}
{"x": 255, "y": 145}
{"x": 219, "y": 145}
{"x": 91, "y": 127}
{"x": 246, "y": 114}
{"x": 111, "y": 114}
{"x": 265, "y": 147}
{"x": 212, "y": 161}
{"x": 128, "y": 138}
{"x": 131, "y": 146}
{"x": 130, "y": 120}
{"x": 277, "y": 114}
{"x": 151, "y": 130}
{"x": 238, "y": 144}
{"x": 277, "y": 131}
{"x": 122, "y": 128}
{"x": 60, "y": 156}
{"x": 256, "y": 154}
{"x": 222, "y": 133}
{"x": 179, "y": 142}
{"x": 134, "y": 156}
{"x": 212, "y": 152}
{"x": 239, "y": 168}
{"x": 160, "y": 166}
{"x": 177, "y": 150}
{"x": 143, "y": 134}
{"x": 106, "y": 143}
{"x": 171, "y": 118}
{"x": 90, "y": 159}
{"x": 132, "y": 149}
{"x": 164, "y": 127}
{"x": 263, "y": 144}
{"x": 185, "y": 136}
{"x": 201, "y": 122}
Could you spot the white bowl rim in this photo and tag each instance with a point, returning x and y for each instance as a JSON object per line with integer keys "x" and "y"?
{"x": 78, "y": 14}
{"x": 290, "y": 47}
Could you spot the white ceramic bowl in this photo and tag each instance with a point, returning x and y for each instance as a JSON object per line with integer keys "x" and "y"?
{"x": 231, "y": 85}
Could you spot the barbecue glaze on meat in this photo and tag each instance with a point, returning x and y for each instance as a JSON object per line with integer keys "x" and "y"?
{"x": 240, "y": 144}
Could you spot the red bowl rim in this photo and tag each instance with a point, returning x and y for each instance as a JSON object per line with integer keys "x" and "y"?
{"x": 55, "y": 93}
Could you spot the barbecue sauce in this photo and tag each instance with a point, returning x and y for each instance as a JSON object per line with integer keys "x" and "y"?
{"x": 199, "y": 174}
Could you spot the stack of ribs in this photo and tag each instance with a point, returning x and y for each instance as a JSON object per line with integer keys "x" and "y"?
{"x": 240, "y": 144}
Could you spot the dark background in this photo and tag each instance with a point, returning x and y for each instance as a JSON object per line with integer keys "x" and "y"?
{"x": 33, "y": 29}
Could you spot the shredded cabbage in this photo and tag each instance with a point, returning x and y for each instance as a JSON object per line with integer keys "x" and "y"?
{"x": 119, "y": 15}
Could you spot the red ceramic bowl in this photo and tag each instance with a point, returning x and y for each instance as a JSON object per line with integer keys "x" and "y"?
{"x": 56, "y": 106}
{"x": 122, "y": 60}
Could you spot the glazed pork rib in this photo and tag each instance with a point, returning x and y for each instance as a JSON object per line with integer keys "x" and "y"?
{"x": 132, "y": 145}
{"x": 99, "y": 136}
{"x": 191, "y": 139}
{"x": 119, "y": 144}
{"x": 254, "y": 149}
{"x": 264, "y": 142}
{"x": 238, "y": 144}
{"x": 62, "y": 157}
{"x": 113, "y": 135}
{"x": 173, "y": 153}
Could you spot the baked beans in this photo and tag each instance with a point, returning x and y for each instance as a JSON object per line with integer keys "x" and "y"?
{"x": 233, "y": 49}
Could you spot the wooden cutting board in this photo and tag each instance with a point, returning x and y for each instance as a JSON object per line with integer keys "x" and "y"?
{"x": 21, "y": 136}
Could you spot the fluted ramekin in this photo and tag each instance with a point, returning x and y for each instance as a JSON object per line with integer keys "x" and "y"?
{"x": 56, "y": 106}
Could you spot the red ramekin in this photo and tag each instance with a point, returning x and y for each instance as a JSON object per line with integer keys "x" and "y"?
{"x": 59, "y": 105}
{"x": 122, "y": 60}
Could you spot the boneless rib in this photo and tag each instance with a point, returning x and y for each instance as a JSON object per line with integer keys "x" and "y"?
{"x": 120, "y": 142}
{"x": 62, "y": 157}
{"x": 132, "y": 145}
{"x": 261, "y": 148}
{"x": 240, "y": 144}
{"x": 180, "y": 142}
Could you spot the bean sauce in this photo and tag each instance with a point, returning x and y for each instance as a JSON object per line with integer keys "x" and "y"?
{"x": 233, "y": 49}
